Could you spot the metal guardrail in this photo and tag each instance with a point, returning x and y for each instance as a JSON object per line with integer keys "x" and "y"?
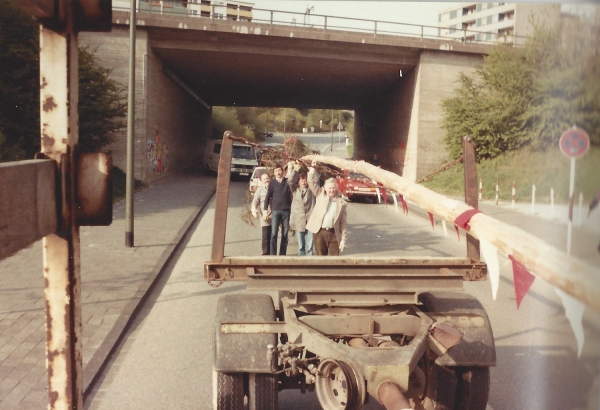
{"x": 333, "y": 23}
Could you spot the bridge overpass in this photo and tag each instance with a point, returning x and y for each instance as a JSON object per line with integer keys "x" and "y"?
{"x": 185, "y": 65}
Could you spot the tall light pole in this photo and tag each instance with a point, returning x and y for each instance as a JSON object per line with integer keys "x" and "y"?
{"x": 331, "y": 149}
{"x": 130, "y": 131}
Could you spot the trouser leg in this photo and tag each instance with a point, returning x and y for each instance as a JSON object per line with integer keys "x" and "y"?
{"x": 266, "y": 240}
{"x": 276, "y": 218}
{"x": 285, "y": 226}
{"x": 320, "y": 243}
{"x": 301, "y": 243}
{"x": 308, "y": 242}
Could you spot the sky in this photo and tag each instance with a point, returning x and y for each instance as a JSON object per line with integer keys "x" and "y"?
{"x": 424, "y": 13}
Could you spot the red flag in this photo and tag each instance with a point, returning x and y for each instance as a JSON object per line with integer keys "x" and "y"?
{"x": 431, "y": 219}
{"x": 404, "y": 206}
{"x": 522, "y": 279}
{"x": 384, "y": 195}
{"x": 464, "y": 218}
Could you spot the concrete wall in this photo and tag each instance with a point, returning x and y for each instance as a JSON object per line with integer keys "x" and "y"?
{"x": 436, "y": 79}
{"x": 169, "y": 124}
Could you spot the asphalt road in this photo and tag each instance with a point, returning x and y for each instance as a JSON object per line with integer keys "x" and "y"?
{"x": 165, "y": 361}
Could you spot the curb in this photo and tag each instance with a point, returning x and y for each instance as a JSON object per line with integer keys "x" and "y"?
{"x": 113, "y": 339}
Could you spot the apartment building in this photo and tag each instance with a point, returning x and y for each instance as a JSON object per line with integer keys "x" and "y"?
{"x": 223, "y": 10}
{"x": 494, "y": 22}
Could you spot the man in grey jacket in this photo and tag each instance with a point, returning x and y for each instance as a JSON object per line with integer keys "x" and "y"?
{"x": 303, "y": 201}
{"x": 257, "y": 208}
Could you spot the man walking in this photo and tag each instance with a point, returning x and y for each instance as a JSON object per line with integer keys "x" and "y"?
{"x": 279, "y": 196}
{"x": 265, "y": 220}
{"x": 303, "y": 201}
{"x": 328, "y": 219}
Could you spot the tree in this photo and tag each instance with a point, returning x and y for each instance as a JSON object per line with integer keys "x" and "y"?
{"x": 528, "y": 96}
{"x": 102, "y": 104}
{"x": 102, "y": 101}
{"x": 19, "y": 84}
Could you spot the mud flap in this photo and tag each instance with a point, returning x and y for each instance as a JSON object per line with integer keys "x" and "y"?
{"x": 243, "y": 352}
{"x": 477, "y": 346}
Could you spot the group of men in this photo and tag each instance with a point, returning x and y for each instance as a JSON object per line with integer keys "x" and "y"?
{"x": 297, "y": 201}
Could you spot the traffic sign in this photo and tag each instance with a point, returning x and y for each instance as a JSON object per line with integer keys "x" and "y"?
{"x": 574, "y": 143}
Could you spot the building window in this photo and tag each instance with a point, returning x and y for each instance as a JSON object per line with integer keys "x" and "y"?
{"x": 488, "y": 20}
{"x": 194, "y": 12}
{"x": 205, "y": 2}
{"x": 453, "y": 29}
{"x": 453, "y": 14}
{"x": 205, "y": 13}
{"x": 500, "y": 17}
{"x": 245, "y": 8}
{"x": 479, "y": 7}
{"x": 488, "y": 36}
{"x": 478, "y": 37}
{"x": 232, "y": 6}
{"x": 490, "y": 5}
{"x": 478, "y": 23}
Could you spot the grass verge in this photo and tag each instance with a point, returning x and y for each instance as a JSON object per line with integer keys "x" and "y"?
{"x": 546, "y": 170}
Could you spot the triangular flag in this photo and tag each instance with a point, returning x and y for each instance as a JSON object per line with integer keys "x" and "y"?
{"x": 463, "y": 219}
{"x": 395, "y": 202}
{"x": 404, "y": 206}
{"x": 490, "y": 254}
{"x": 457, "y": 231}
{"x": 444, "y": 228}
{"x": 522, "y": 279}
{"x": 378, "y": 195}
{"x": 431, "y": 219}
{"x": 574, "y": 312}
{"x": 384, "y": 194}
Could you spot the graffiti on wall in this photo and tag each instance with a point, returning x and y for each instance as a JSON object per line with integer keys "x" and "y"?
{"x": 158, "y": 154}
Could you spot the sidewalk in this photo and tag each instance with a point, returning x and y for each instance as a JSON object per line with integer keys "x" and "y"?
{"x": 114, "y": 281}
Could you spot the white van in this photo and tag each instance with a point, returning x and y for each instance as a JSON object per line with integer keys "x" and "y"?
{"x": 243, "y": 159}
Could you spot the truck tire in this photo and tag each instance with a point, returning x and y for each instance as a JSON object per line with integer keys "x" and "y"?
{"x": 441, "y": 388}
{"x": 228, "y": 391}
{"x": 262, "y": 391}
{"x": 473, "y": 388}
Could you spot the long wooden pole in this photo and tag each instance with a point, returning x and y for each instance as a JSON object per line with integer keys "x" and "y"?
{"x": 574, "y": 277}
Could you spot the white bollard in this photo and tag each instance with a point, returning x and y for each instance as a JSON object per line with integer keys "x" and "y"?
{"x": 497, "y": 191}
{"x": 513, "y": 195}
{"x": 580, "y": 208}
{"x": 552, "y": 203}
{"x": 532, "y": 199}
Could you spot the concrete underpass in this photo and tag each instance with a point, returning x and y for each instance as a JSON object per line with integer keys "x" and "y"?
{"x": 186, "y": 64}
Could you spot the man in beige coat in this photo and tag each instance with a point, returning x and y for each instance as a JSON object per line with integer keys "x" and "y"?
{"x": 328, "y": 219}
{"x": 303, "y": 201}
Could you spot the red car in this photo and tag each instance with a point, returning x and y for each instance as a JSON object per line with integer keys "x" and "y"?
{"x": 357, "y": 186}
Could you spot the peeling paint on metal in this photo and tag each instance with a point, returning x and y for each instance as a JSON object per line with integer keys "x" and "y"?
{"x": 49, "y": 104}
{"x": 44, "y": 83}
{"x": 47, "y": 141}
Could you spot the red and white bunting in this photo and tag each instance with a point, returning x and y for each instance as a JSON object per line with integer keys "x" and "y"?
{"x": 574, "y": 313}
{"x": 522, "y": 279}
{"x": 395, "y": 201}
{"x": 444, "y": 228}
{"x": 490, "y": 254}
{"x": 431, "y": 220}
{"x": 403, "y": 202}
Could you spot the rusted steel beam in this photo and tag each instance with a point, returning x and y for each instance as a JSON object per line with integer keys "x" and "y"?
{"x": 471, "y": 195}
{"x": 59, "y": 134}
{"x": 28, "y": 206}
{"x": 222, "y": 198}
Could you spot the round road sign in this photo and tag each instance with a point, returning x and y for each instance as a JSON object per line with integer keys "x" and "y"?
{"x": 574, "y": 143}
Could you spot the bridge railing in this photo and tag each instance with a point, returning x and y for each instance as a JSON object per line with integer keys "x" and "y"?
{"x": 373, "y": 28}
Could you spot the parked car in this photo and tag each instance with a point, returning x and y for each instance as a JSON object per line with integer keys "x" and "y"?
{"x": 354, "y": 185}
{"x": 255, "y": 177}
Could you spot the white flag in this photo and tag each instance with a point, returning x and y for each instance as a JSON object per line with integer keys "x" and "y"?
{"x": 574, "y": 312}
{"x": 490, "y": 254}
{"x": 444, "y": 227}
{"x": 395, "y": 201}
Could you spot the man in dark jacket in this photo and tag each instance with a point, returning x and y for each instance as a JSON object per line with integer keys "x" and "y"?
{"x": 279, "y": 196}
